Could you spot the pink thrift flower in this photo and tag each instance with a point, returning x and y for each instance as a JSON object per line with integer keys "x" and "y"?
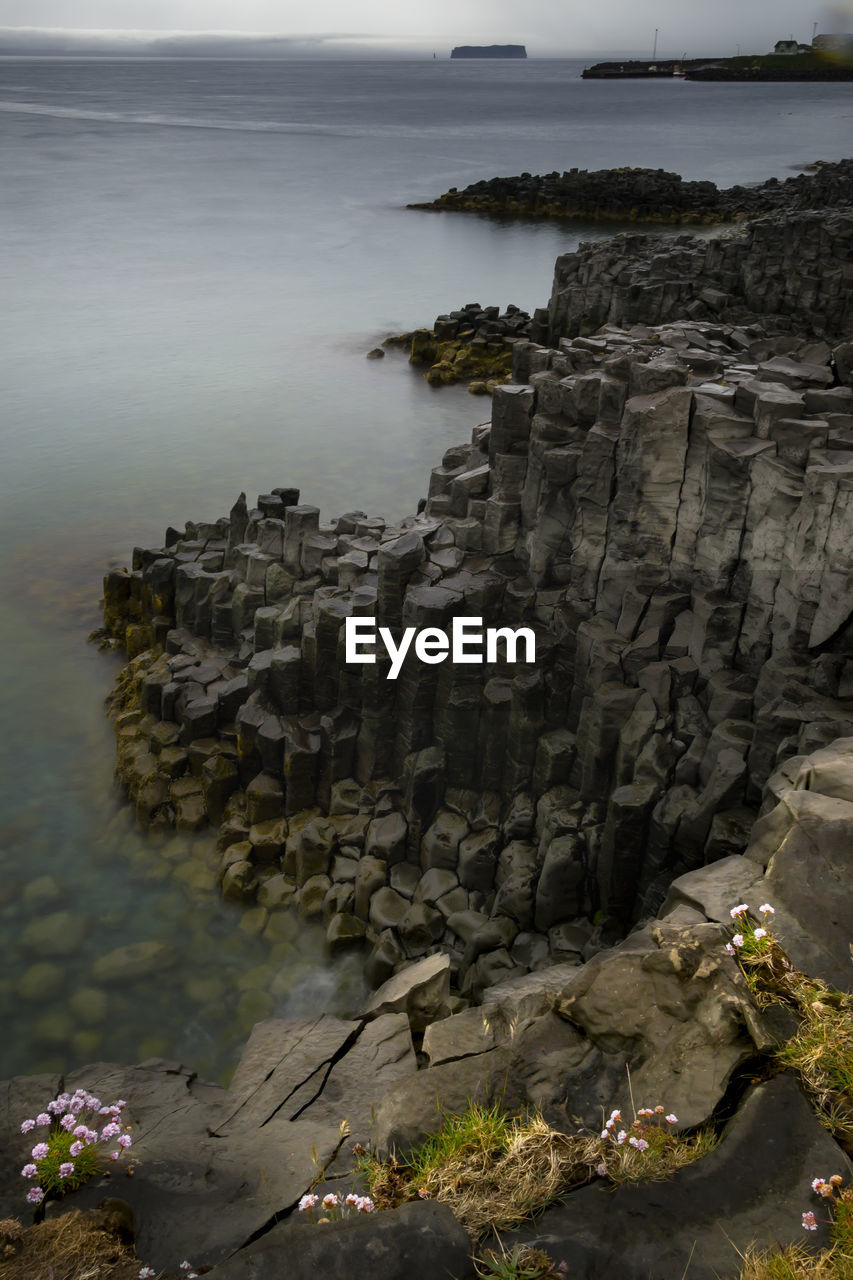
{"x": 68, "y": 1121}
{"x": 760, "y": 933}
{"x": 81, "y": 1130}
{"x": 110, "y": 1131}
{"x": 366, "y": 1205}
{"x": 767, "y": 909}
{"x": 66, "y": 1169}
{"x": 818, "y": 1183}
{"x": 124, "y": 1141}
{"x": 27, "y": 1126}
{"x": 76, "y": 1148}
{"x": 809, "y": 1222}
{"x": 671, "y": 1119}
{"x": 739, "y": 911}
{"x": 328, "y": 1202}
{"x": 737, "y": 940}
{"x": 730, "y": 949}
{"x": 352, "y": 1198}
{"x": 43, "y": 1119}
{"x": 90, "y": 1136}
{"x": 601, "y": 1170}
{"x": 40, "y": 1150}
{"x": 146, "y": 1273}
{"x": 29, "y": 1171}
{"x": 621, "y": 1136}
{"x": 35, "y": 1195}
{"x": 307, "y": 1202}
{"x": 114, "y": 1155}
{"x": 605, "y": 1133}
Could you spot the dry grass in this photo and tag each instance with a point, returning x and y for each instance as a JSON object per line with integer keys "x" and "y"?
{"x": 73, "y": 1246}
{"x": 491, "y": 1170}
{"x": 494, "y": 1171}
{"x": 796, "y": 1263}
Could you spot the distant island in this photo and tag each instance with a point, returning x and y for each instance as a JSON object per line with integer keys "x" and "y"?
{"x": 489, "y": 51}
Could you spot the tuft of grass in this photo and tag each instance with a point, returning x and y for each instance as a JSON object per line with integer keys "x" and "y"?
{"x": 821, "y": 1050}
{"x": 821, "y": 1053}
{"x": 495, "y": 1171}
{"x": 521, "y": 1263}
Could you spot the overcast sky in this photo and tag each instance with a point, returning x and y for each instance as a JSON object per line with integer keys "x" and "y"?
{"x": 549, "y": 28}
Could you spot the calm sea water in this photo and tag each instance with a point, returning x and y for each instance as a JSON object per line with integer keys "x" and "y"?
{"x": 196, "y": 257}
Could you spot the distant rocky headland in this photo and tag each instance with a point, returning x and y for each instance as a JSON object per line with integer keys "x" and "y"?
{"x": 804, "y": 66}
{"x": 539, "y": 863}
{"x": 489, "y": 51}
{"x": 646, "y": 195}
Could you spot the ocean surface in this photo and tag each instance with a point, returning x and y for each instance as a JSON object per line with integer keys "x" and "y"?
{"x": 196, "y": 256}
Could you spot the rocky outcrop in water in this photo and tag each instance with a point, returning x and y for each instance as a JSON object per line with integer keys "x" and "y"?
{"x": 646, "y": 195}
{"x": 473, "y": 345}
{"x": 664, "y": 509}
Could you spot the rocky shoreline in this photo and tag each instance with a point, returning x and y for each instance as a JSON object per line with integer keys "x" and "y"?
{"x": 538, "y": 861}
{"x": 646, "y": 195}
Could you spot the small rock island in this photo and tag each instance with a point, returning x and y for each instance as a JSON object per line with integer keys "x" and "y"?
{"x": 489, "y": 51}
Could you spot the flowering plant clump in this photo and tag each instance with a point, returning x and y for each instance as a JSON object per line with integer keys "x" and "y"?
{"x": 332, "y": 1207}
{"x": 73, "y": 1134}
{"x": 749, "y": 939}
{"x": 647, "y": 1147}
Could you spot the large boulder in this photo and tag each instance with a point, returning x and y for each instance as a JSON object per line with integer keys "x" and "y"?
{"x": 421, "y": 991}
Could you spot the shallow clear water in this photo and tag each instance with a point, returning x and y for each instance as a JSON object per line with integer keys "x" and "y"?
{"x": 196, "y": 257}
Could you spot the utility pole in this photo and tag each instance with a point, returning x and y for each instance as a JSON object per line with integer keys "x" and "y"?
{"x": 655, "y": 49}
{"x": 814, "y": 31}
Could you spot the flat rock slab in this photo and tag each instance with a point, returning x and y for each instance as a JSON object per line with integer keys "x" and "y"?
{"x": 283, "y": 1067}
{"x": 194, "y": 1194}
{"x": 420, "y": 1241}
{"x": 752, "y": 1188}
